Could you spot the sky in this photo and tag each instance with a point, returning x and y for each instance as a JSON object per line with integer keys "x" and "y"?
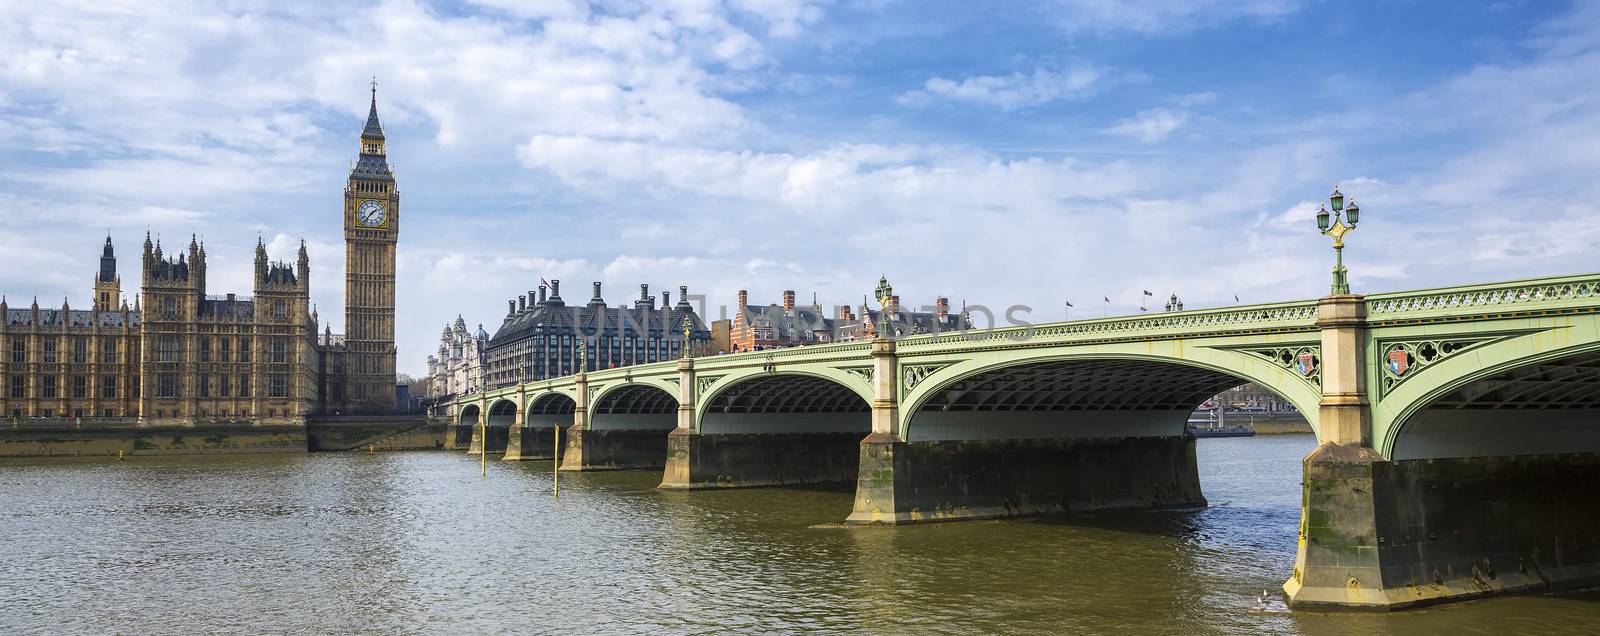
{"x": 995, "y": 153}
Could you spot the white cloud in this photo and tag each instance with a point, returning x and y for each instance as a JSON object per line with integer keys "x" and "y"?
{"x": 1106, "y": 17}
{"x": 1150, "y": 126}
{"x": 1016, "y": 90}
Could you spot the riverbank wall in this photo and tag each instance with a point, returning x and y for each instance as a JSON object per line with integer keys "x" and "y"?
{"x": 386, "y": 433}
{"x": 88, "y": 437}
{"x": 1272, "y": 423}
{"x": 42, "y": 439}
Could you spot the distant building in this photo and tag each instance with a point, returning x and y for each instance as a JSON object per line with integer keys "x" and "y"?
{"x": 757, "y": 327}
{"x": 721, "y": 332}
{"x": 459, "y": 366}
{"x": 541, "y": 336}
{"x": 1251, "y": 397}
{"x": 849, "y": 326}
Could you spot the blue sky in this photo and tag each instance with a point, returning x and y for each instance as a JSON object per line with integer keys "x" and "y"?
{"x": 996, "y": 153}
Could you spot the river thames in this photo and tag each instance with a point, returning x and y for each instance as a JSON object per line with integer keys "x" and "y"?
{"x": 399, "y": 543}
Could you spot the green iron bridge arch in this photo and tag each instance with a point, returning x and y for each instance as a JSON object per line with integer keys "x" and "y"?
{"x": 1435, "y": 411}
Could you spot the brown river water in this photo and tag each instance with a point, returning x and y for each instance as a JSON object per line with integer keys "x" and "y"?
{"x": 417, "y": 543}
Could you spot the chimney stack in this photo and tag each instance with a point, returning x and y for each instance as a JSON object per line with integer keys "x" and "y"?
{"x": 788, "y": 300}
{"x": 597, "y": 300}
{"x": 941, "y": 307}
{"x": 683, "y": 295}
{"x": 511, "y": 306}
{"x": 522, "y": 304}
{"x": 542, "y": 289}
{"x": 555, "y": 290}
{"x": 744, "y": 300}
{"x": 666, "y": 300}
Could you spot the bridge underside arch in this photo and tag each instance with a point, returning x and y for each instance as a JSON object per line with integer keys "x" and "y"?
{"x": 496, "y": 436}
{"x": 466, "y": 425}
{"x": 1075, "y": 398}
{"x": 786, "y": 403}
{"x": 1543, "y": 407}
{"x": 549, "y": 409}
{"x": 771, "y": 429}
{"x": 468, "y": 416}
{"x": 634, "y": 407}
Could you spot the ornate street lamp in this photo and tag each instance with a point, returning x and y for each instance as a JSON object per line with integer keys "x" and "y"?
{"x": 688, "y": 325}
{"x": 1173, "y": 304}
{"x": 1337, "y": 229}
{"x": 583, "y": 355}
{"x": 884, "y": 292}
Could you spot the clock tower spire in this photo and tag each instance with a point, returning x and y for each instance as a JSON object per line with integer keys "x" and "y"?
{"x": 371, "y": 230}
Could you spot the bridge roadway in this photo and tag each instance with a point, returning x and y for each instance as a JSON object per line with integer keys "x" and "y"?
{"x": 1458, "y": 448}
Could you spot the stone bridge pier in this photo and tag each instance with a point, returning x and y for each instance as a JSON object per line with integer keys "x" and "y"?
{"x": 1431, "y": 485}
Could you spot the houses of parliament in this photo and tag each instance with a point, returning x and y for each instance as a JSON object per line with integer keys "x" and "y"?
{"x": 181, "y": 355}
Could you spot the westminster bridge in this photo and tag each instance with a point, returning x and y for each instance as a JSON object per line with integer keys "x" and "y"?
{"x": 1458, "y": 454}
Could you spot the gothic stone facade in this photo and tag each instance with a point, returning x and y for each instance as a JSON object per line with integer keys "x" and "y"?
{"x": 181, "y": 356}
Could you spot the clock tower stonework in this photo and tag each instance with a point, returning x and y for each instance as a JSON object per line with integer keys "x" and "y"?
{"x": 371, "y": 229}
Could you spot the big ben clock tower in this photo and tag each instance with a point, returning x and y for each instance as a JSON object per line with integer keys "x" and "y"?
{"x": 371, "y": 228}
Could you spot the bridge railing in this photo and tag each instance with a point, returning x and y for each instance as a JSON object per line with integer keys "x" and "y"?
{"x": 1267, "y": 317}
{"x": 1537, "y": 295}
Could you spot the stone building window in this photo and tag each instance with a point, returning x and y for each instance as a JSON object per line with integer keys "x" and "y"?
{"x": 50, "y": 349}
{"x": 167, "y": 385}
{"x": 280, "y": 349}
{"x": 224, "y": 354}
{"x": 80, "y": 386}
{"x": 169, "y": 349}
{"x": 108, "y": 350}
{"x": 169, "y": 306}
{"x": 108, "y": 413}
{"x": 19, "y": 386}
{"x": 244, "y": 349}
{"x": 222, "y": 385}
{"x": 108, "y": 386}
{"x": 80, "y": 350}
{"x": 205, "y": 386}
{"x": 47, "y": 388}
{"x": 278, "y": 386}
{"x": 280, "y": 310}
{"x": 244, "y": 387}
{"x": 19, "y": 349}
{"x": 205, "y": 349}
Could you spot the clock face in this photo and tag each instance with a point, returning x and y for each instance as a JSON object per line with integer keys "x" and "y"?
{"x": 371, "y": 213}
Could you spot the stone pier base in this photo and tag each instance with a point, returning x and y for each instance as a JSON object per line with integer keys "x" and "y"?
{"x": 613, "y": 449}
{"x": 457, "y": 437}
{"x": 1381, "y": 535}
{"x": 730, "y": 460}
{"x": 530, "y": 444}
{"x": 908, "y": 482}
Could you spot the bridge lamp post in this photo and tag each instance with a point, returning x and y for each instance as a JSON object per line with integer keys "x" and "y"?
{"x": 688, "y": 326}
{"x": 884, "y": 292}
{"x": 1337, "y": 229}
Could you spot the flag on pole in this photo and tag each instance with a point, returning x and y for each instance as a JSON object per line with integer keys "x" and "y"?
{"x": 1108, "y": 299}
{"x": 543, "y": 282}
{"x": 1069, "y": 303}
{"x": 1235, "y": 298}
{"x": 1147, "y": 293}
